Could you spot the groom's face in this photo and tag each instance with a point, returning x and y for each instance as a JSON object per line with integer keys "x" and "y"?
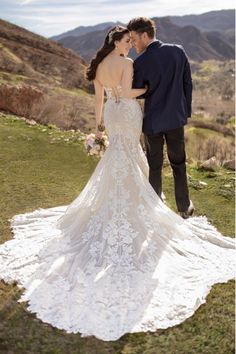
{"x": 138, "y": 41}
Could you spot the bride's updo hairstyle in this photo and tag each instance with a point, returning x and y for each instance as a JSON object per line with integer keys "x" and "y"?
{"x": 114, "y": 34}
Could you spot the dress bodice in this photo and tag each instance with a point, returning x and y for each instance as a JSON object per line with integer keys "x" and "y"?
{"x": 122, "y": 115}
{"x": 114, "y": 92}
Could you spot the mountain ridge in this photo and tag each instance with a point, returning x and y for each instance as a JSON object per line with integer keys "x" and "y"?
{"x": 209, "y": 21}
{"x": 206, "y": 36}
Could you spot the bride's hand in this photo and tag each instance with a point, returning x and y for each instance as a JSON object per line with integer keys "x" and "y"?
{"x": 100, "y": 128}
{"x": 145, "y": 88}
{"x": 98, "y": 134}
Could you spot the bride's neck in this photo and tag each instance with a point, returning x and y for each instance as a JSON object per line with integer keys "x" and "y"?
{"x": 114, "y": 53}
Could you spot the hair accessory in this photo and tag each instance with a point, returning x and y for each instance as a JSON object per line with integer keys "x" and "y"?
{"x": 111, "y": 34}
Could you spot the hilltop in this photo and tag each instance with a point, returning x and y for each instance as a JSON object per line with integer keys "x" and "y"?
{"x": 38, "y": 58}
{"x": 42, "y": 80}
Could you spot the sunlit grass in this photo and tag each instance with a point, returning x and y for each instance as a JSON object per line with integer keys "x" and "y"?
{"x": 36, "y": 170}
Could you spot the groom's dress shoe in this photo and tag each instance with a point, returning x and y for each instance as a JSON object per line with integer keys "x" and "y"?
{"x": 163, "y": 197}
{"x": 189, "y": 212}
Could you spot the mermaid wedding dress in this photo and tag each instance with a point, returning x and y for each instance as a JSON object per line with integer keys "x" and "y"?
{"x": 116, "y": 260}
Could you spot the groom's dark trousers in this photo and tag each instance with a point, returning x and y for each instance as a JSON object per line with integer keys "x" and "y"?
{"x": 176, "y": 154}
{"x": 165, "y": 69}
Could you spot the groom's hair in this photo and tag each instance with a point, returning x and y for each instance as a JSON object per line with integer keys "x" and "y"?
{"x": 141, "y": 25}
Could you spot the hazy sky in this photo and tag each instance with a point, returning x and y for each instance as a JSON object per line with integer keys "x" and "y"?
{"x": 50, "y": 17}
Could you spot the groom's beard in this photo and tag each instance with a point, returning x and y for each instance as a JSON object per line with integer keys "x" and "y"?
{"x": 137, "y": 50}
{"x": 140, "y": 50}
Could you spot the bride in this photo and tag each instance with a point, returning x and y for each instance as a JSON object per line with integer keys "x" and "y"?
{"x": 116, "y": 260}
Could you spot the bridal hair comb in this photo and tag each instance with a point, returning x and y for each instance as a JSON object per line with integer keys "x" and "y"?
{"x": 110, "y": 35}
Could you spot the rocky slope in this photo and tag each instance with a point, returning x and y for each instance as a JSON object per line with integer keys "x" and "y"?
{"x": 42, "y": 80}
{"x": 38, "y": 58}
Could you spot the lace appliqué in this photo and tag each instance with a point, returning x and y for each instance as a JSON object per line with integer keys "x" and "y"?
{"x": 116, "y": 260}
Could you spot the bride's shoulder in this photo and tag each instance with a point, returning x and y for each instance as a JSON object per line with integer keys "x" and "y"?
{"x": 127, "y": 61}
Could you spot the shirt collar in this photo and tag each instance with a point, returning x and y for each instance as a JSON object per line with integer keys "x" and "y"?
{"x": 156, "y": 43}
{"x": 154, "y": 40}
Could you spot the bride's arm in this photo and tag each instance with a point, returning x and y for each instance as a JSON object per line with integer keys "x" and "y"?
{"x": 99, "y": 100}
{"x": 126, "y": 81}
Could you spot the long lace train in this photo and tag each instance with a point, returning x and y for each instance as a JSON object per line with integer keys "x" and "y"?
{"x": 116, "y": 260}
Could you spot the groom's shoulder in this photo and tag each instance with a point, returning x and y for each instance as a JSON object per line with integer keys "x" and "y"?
{"x": 172, "y": 46}
{"x": 170, "y": 50}
{"x": 157, "y": 49}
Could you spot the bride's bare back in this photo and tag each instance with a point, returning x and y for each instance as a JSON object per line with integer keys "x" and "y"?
{"x": 110, "y": 70}
{"x": 114, "y": 72}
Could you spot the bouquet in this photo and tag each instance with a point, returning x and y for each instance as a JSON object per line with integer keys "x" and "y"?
{"x": 96, "y": 146}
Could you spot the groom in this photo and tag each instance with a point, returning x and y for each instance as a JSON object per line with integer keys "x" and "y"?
{"x": 165, "y": 69}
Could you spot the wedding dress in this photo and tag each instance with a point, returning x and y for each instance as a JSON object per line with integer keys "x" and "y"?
{"x": 116, "y": 260}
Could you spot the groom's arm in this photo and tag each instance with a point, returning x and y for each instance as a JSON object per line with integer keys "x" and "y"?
{"x": 138, "y": 80}
{"x": 188, "y": 86}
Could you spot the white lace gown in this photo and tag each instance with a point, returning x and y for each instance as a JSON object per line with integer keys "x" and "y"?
{"x": 116, "y": 260}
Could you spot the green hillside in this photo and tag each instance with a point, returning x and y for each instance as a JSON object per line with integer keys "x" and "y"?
{"x": 41, "y": 166}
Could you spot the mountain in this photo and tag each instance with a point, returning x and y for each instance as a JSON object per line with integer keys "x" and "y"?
{"x": 39, "y": 58}
{"x": 199, "y": 45}
{"x": 81, "y": 30}
{"x": 223, "y": 20}
{"x": 222, "y": 43}
{"x": 86, "y": 44}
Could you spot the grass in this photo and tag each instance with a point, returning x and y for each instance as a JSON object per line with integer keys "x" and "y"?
{"x": 43, "y": 167}
{"x": 202, "y": 143}
{"x": 6, "y": 77}
{"x": 209, "y": 67}
{"x": 10, "y": 55}
{"x": 231, "y": 122}
{"x": 207, "y": 133}
{"x": 71, "y": 91}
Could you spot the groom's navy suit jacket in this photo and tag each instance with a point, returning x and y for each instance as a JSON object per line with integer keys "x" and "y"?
{"x": 165, "y": 69}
